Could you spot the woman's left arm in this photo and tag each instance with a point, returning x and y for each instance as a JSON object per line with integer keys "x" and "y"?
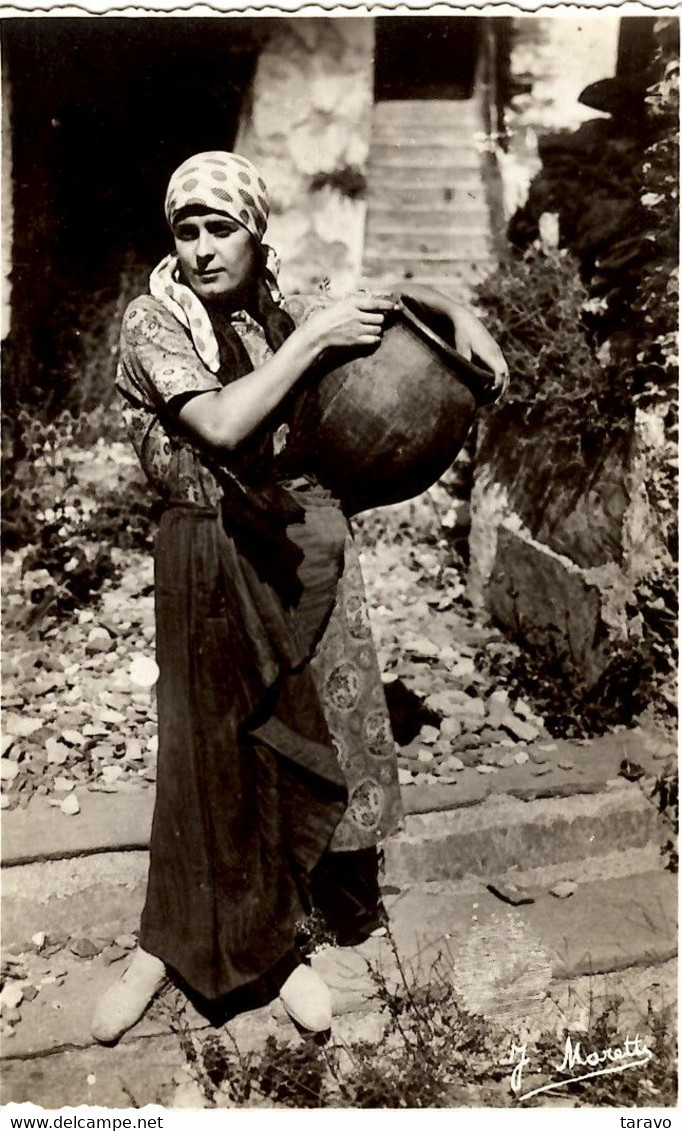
{"x": 470, "y": 335}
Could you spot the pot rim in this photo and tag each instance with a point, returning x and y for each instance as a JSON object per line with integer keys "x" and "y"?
{"x": 478, "y": 379}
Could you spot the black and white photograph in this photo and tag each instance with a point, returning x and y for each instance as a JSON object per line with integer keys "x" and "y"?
{"x": 339, "y": 563}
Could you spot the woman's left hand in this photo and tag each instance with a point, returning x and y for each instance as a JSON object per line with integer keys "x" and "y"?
{"x": 471, "y": 337}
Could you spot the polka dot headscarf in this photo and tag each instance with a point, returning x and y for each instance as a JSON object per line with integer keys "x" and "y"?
{"x": 222, "y": 182}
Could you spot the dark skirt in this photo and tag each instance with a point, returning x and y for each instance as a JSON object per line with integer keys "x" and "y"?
{"x": 250, "y": 790}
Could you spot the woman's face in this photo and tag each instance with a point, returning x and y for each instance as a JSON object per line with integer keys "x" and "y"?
{"x": 217, "y": 255}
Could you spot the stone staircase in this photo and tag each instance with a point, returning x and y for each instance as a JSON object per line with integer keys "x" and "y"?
{"x": 428, "y": 216}
{"x": 82, "y": 880}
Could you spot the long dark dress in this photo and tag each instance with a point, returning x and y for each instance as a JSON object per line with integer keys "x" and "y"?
{"x": 274, "y": 742}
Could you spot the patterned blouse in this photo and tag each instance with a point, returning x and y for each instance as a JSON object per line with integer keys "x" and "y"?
{"x": 158, "y": 369}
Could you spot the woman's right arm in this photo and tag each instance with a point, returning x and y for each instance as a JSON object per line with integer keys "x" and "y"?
{"x": 223, "y": 418}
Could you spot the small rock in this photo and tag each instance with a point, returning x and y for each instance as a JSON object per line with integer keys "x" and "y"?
{"x": 111, "y": 774}
{"x": 73, "y": 737}
{"x": 463, "y": 670}
{"x": 565, "y": 765}
{"x": 538, "y": 771}
{"x": 506, "y": 760}
{"x": 6, "y": 802}
{"x": 473, "y": 708}
{"x": 113, "y": 954}
{"x": 133, "y": 750}
{"x": 85, "y": 948}
{"x": 92, "y": 730}
{"x": 56, "y": 752}
{"x": 63, "y": 785}
{"x": 30, "y": 993}
{"x": 453, "y": 764}
{"x": 143, "y": 671}
{"x": 429, "y": 734}
{"x": 518, "y": 729}
{"x": 521, "y": 757}
{"x": 422, "y": 646}
{"x": 11, "y": 995}
{"x": 99, "y": 641}
{"x": 108, "y": 715}
{"x": 153, "y": 744}
{"x": 38, "y": 939}
{"x": 537, "y": 758}
{"x": 7, "y": 744}
{"x": 451, "y": 728}
{"x": 8, "y": 769}
{"x": 490, "y": 758}
{"x": 126, "y": 942}
{"x": 404, "y": 776}
{"x": 70, "y": 805}
{"x": 486, "y": 769}
{"x": 510, "y": 893}
{"x": 497, "y": 708}
{"x": 11, "y": 1016}
{"x": 20, "y": 726}
{"x": 425, "y": 756}
{"x": 563, "y": 889}
{"x": 91, "y": 1079}
{"x": 546, "y": 746}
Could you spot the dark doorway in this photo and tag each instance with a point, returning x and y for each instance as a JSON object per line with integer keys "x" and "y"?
{"x": 426, "y": 56}
{"x": 102, "y": 110}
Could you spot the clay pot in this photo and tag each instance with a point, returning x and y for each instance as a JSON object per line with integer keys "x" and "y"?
{"x": 384, "y": 426}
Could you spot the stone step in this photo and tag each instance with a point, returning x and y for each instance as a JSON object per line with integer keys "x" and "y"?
{"x": 396, "y": 194}
{"x": 428, "y": 133}
{"x": 504, "y": 831}
{"x": 418, "y": 177}
{"x": 482, "y": 825}
{"x": 427, "y": 110}
{"x": 392, "y": 162}
{"x": 154, "y": 1070}
{"x": 120, "y": 821}
{"x": 473, "y": 243}
{"x": 509, "y": 964}
{"x": 458, "y": 284}
{"x": 423, "y": 154}
{"x": 444, "y": 271}
{"x": 462, "y": 216}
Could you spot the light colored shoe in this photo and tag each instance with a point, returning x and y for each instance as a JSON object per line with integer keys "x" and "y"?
{"x": 307, "y": 1000}
{"x": 123, "y": 1004}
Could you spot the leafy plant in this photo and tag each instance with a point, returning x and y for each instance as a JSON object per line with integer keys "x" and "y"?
{"x": 71, "y": 500}
{"x": 429, "y": 1052}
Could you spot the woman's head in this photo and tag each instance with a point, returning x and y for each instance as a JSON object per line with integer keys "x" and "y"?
{"x": 217, "y": 208}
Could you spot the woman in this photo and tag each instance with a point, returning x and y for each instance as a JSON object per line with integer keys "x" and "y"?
{"x": 276, "y": 769}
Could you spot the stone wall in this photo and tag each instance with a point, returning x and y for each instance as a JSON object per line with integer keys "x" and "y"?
{"x": 569, "y": 587}
{"x": 308, "y": 119}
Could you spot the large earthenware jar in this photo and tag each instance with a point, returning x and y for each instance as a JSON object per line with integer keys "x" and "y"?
{"x": 384, "y": 426}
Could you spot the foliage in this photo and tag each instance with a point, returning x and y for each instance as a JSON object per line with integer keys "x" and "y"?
{"x": 70, "y": 500}
{"x": 348, "y": 181}
{"x": 666, "y": 793}
{"x": 429, "y": 1052}
{"x": 590, "y": 332}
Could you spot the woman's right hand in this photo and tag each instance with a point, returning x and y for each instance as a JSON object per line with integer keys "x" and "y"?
{"x": 349, "y": 322}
